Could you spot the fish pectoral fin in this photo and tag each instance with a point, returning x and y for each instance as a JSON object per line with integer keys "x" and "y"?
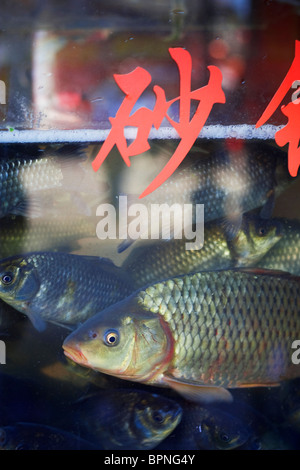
{"x": 38, "y": 323}
{"x": 231, "y": 225}
{"x": 199, "y": 393}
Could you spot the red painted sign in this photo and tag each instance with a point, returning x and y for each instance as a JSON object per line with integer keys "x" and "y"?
{"x": 133, "y": 85}
{"x": 291, "y": 132}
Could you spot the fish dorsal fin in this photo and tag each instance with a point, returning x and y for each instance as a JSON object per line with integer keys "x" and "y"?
{"x": 109, "y": 267}
{"x": 99, "y": 259}
{"x": 124, "y": 245}
{"x": 102, "y": 262}
{"x": 199, "y": 393}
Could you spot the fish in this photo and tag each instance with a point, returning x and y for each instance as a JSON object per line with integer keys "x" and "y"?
{"x": 62, "y": 288}
{"x": 208, "y": 428}
{"x": 130, "y": 419}
{"x": 159, "y": 261}
{"x": 200, "y": 334}
{"x": 229, "y": 183}
{"x": 24, "y": 178}
{"x": 285, "y": 256}
{"x": 274, "y": 439}
{"x": 33, "y": 436}
{"x": 20, "y": 234}
{"x": 254, "y": 423}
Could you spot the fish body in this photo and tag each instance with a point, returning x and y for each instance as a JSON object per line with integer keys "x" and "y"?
{"x": 169, "y": 259}
{"x": 32, "y": 436}
{"x": 223, "y": 179}
{"x": 61, "y": 287}
{"x": 199, "y": 334}
{"x": 228, "y": 183}
{"x": 286, "y": 255}
{"x": 273, "y": 439}
{"x": 23, "y": 178}
{"x": 126, "y": 418}
{"x": 208, "y": 428}
{"x": 23, "y": 235}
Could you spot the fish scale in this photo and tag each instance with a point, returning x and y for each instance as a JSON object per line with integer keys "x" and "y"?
{"x": 24, "y": 178}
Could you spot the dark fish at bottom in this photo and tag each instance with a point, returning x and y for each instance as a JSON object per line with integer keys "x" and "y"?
{"x": 126, "y": 418}
{"x": 199, "y": 334}
{"x": 207, "y": 428}
{"x": 31, "y": 436}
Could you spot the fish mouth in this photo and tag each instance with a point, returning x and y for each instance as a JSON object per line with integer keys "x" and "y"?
{"x": 74, "y": 353}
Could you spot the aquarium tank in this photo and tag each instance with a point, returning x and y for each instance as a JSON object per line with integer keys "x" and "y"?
{"x": 150, "y": 226}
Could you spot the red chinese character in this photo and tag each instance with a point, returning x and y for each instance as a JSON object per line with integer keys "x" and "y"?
{"x": 291, "y": 132}
{"x": 133, "y": 85}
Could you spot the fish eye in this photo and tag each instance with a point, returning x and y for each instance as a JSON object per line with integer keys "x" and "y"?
{"x": 7, "y": 278}
{"x": 157, "y": 417}
{"x": 111, "y": 337}
{"x": 224, "y": 437}
{"x": 261, "y": 231}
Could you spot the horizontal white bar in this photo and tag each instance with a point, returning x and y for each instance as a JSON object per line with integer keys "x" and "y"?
{"x": 236, "y": 131}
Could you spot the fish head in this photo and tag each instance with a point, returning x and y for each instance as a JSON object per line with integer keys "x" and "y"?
{"x": 222, "y": 431}
{"x": 123, "y": 340}
{"x": 255, "y": 238}
{"x": 154, "y": 418}
{"x": 19, "y": 281}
